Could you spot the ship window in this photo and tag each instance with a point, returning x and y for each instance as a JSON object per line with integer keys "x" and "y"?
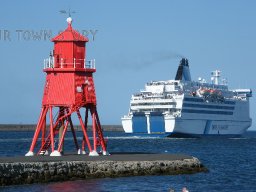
{"x": 148, "y": 104}
{"x": 230, "y": 102}
{"x": 207, "y": 112}
{"x": 208, "y": 106}
{"x": 201, "y": 100}
{"x": 194, "y": 99}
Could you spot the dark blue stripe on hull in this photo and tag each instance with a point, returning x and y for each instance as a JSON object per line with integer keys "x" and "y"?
{"x": 156, "y": 120}
{"x": 186, "y": 135}
{"x": 157, "y": 124}
{"x": 139, "y": 124}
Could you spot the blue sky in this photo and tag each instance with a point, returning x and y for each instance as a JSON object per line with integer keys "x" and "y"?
{"x": 136, "y": 41}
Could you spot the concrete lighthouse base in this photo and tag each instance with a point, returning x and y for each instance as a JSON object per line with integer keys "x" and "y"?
{"x": 34, "y": 169}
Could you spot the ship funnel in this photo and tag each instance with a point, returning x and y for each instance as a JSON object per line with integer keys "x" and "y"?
{"x": 183, "y": 72}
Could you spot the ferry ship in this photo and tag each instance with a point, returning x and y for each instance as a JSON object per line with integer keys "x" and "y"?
{"x": 183, "y": 107}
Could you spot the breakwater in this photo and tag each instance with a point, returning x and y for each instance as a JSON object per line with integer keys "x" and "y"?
{"x": 38, "y": 169}
{"x": 32, "y": 127}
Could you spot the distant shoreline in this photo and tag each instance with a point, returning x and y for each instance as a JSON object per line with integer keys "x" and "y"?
{"x": 32, "y": 127}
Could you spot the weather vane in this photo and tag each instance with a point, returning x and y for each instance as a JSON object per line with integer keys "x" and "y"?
{"x": 67, "y": 12}
{"x": 69, "y": 19}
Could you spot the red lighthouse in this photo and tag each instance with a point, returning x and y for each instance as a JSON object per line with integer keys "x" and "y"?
{"x": 69, "y": 87}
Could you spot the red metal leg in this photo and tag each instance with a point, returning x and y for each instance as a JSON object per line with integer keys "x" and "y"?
{"x": 84, "y": 131}
{"x": 100, "y": 134}
{"x": 51, "y": 129}
{"x": 43, "y": 132}
{"x": 61, "y": 127}
{"x": 63, "y": 135}
{"x": 94, "y": 131}
{"x": 85, "y": 124}
{"x": 38, "y": 128}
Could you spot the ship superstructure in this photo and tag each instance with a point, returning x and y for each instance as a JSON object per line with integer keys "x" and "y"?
{"x": 186, "y": 107}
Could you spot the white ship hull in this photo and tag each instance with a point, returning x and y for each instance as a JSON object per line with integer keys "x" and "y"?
{"x": 179, "y": 127}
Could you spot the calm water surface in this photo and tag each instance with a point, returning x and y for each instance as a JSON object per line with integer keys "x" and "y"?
{"x": 231, "y": 161}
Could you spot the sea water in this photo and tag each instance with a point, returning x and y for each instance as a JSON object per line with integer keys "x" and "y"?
{"x": 231, "y": 163}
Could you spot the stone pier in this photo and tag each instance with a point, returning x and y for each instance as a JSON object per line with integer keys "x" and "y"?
{"x": 41, "y": 169}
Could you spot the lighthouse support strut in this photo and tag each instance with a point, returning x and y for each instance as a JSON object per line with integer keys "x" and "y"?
{"x": 84, "y": 131}
{"x": 63, "y": 135}
{"x": 97, "y": 130}
{"x": 94, "y": 131}
{"x": 38, "y": 129}
{"x": 100, "y": 134}
{"x": 85, "y": 124}
{"x": 43, "y": 129}
{"x": 51, "y": 129}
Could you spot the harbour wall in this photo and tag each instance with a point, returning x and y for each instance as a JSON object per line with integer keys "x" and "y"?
{"x": 49, "y": 169}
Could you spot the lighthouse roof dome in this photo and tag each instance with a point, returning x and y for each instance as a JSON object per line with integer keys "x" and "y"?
{"x": 70, "y": 34}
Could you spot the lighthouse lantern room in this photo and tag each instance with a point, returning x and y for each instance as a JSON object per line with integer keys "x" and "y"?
{"x": 69, "y": 87}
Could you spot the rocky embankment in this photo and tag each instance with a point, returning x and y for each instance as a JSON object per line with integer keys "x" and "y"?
{"x": 47, "y": 170}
